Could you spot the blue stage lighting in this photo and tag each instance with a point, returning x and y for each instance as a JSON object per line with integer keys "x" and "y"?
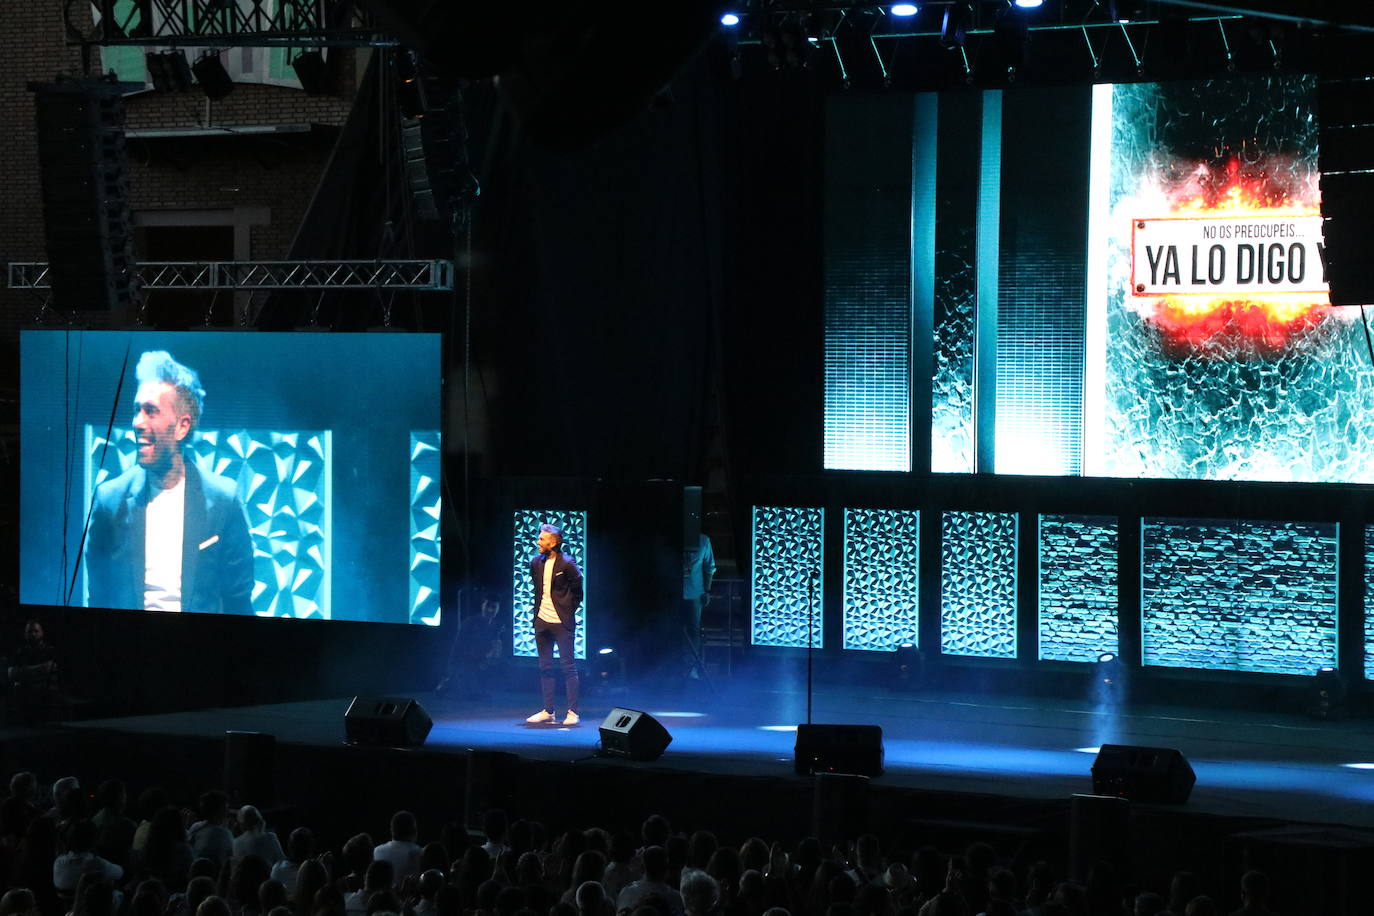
{"x": 1029, "y": 4}
{"x": 903, "y": 9}
{"x": 729, "y": 19}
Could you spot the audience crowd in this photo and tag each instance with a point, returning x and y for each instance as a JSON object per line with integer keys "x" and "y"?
{"x": 67, "y": 851}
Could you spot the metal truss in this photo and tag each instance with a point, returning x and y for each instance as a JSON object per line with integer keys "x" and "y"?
{"x": 253, "y": 275}
{"x": 226, "y": 23}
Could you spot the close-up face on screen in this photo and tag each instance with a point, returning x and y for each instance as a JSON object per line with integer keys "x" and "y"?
{"x": 273, "y": 475}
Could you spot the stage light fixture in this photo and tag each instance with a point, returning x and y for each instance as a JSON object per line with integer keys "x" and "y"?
{"x": 904, "y": 9}
{"x": 1126, "y": 10}
{"x": 1108, "y": 680}
{"x": 169, "y": 71}
{"x": 729, "y": 19}
{"x": 954, "y": 26}
{"x": 1328, "y": 694}
{"x": 214, "y": 80}
{"x": 907, "y": 666}
{"x": 608, "y": 671}
{"x": 1029, "y": 4}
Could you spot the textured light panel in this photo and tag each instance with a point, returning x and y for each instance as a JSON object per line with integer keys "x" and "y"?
{"x": 283, "y": 480}
{"x": 788, "y": 547}
{"x": 527, "y": 522}
{"x": 1078, "y": 587}
{"x": 1369, "y": 602}
{"x": 978, "y": 584}
{"x": 1238, "y": 596}
{"x": 881, "y": 577}
{"x": 425, "y": 461}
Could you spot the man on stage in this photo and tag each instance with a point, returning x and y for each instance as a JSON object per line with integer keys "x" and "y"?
{"x": 167, "y": 535}
{"x": 557, "y": 594}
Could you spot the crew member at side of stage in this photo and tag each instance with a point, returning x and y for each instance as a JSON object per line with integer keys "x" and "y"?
{"x": 557, "y": 595}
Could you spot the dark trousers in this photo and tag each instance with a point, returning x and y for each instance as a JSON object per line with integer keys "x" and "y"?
{"x": 546, "y": 636}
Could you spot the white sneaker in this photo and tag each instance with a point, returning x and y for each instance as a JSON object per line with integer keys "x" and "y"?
{"x": 572, "y": 718}
{"x": 541, "y": 717}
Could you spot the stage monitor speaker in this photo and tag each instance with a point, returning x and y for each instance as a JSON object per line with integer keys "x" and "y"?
{"x": 633, "y": 735}
{"x": 854, "y": 749}
{"x": 1143, "y": 774}
{"x": 249, "y": 765}
{"x": 386, "y": 721}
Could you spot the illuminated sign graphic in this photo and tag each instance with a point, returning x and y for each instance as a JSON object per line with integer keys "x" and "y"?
{"x": 1228, "y": 256}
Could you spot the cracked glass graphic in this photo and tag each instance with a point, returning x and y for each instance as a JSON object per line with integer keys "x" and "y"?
{"x": 880, "y": 595}
{"x": 1220, "y": 385}
{"x": 283, "y": 481}
{"x": 527, "y": 522}
{"x": 425, "y": 504}
{"x": 1078, "y": 587}
{"x": 1238, "y": 596}
{"x": 787, "y": 583}
{"x": 952, "y": 427}
{"x": 978, "y": 584}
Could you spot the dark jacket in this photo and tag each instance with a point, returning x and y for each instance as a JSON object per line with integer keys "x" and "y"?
{"x": 566, "y": 590}
{"x": 216, "y": 548}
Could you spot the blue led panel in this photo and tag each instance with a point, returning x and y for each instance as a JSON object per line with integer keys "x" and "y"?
{"x": 788, "y": 545}
{"x": 978, "y": 584}
{"x": 284, "y": 481}
{"x": 1078, "y": 587}
{"x": 881, "y": 577}
{"x": 1369, "y": 602}
{"x": 1238, "y": 596}
{"x": 424, "y": 527}
{"x": 527, "y": 522}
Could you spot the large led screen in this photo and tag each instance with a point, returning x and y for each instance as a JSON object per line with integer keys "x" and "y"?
{"x": 275, "y": 475}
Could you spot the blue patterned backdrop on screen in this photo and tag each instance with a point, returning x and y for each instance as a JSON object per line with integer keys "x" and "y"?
{"x": 527, "y": 522}
{"x": 881, "y": 577}
{"x": 425, "y": 504}
{"x": 978, "y": 584}
{"x": 1238, "y": 595}
{"x": 1078, "y": 587}
{"x": 284, "y": 481}
{"x": 788, "y": 547}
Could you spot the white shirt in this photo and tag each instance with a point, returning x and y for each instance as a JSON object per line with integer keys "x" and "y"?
{"x": 163, "y": 527}
{"x": 404, "y": 857}
{"x": 547, "y": 612}
{"x": 68, "y": 868}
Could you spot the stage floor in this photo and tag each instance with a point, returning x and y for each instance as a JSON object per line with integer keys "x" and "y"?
{"x": 1248, "y": 764}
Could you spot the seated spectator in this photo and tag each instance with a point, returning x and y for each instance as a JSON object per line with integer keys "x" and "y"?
{"x": 18, "y": 901}
{"x": 357, "y": 856}
{"x": 1254, "y": 895}
{"x": 310, "y": 877}
{"x": 446, "y": 902}
{"x": 1201, "y": 905}
{"x": 751, "y": 898}
{"x": 620, "y": 869}
{"x": 248, "y": 874}
{"x": 401, "y": 850}
{"x": 81, "y": 859}
{"x": 67, "y": 801}
{"x": 653, "y": 884}
{"x": 299, "y": 847}
{"x": 434, "y": 856}
{"x": 209, "y": 838}
{"x": 256, "y": 839}
{"x": 495, "y": 824}
{"x": 589, "y": 866}
{"x": 214, "y": 906}
{"x": 471, "y": 874}
{"x": 700, "y": 892}
{"x": 197, "y": 889}
{"x": 150, "y": 802}
{"x": 426, "y": 889}
{"x": 590, "y": 900}
{"x": 380, "y": 876}
{"x": 509, "y": 901}
{"x": 166, "y": 854}
{"x": 1148, "y": 904}
{"x": 116, "y": 838}
{"x": 95, "y": 897}
{"x": 1183, "y": 887}
{"x": 24, "y": 791}
{"x": 271, "y": 894}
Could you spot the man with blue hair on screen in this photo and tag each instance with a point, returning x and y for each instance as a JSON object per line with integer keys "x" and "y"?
{"x": 167, "y": 535}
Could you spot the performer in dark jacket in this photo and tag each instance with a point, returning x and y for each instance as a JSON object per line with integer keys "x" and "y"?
{"x": 167, "y": 535}
{"x": 557, "y": 595}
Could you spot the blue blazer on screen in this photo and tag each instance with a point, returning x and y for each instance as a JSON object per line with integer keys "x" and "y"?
{"x": 566, "y": 590}
{"x": 216, "y": 549}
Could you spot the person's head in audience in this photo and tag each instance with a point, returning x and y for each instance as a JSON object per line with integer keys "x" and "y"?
{"x": 208, "y": 868}
{"x": 529, "y": 868}
{"x": 112, "y": 796}
{"x": 214, "y": 906}
{"x": 1183, "y": 886}
{"x": 700, "y": 892}
{"x": 357, "y": 853}
{"x": 300, "y": 845}
{"x": 1254, "y": 889}
{"x": 598, "y": 839}
{"x": 380, "y": 876}
{"x": 329, "y": 901}
{"x": 1039, "y": 884}
{"x": 1002, "y": 884}
{"x": 213, "y": 807}
{"x": 655, "y": 830}
{"x": 197, "y": 889}
{"x": 652, "y": 905}
{"x": 872, "y": 900}
{"x": 448, "y": 902}
{"x": 752, "y": 892}
{"x": 18, "y": 901}
{"x": 150, "y": 801}
{"x": 24, "y": 786}
{"x": 403, "y": 827}
{"x": 453, "y": 836}
{"x": 311, "y": 877}
{"x": 808, "y": 857}
{"x": 63, "y": 791}
{"x": 486, "y": 896}
{"x": 1201, "y": 905}
{"x": 509, "y": 900}
{"x": 271, "y": 894}
{"x": 868, "y": 855}
{"x": 1074, "y": 897}
{"x": 495, "y": 824}
{"x": 1148, "y": 904}
{"x": 753, "y": 853}
{"x": 165, "y": 834}
{"x": 840, "y": 888}
{"x": 776, "y": 911}
{"x": 589, "y": 866}
{"x": 384, "y": 901}
{"x": 622, "y": 847}
{"x": 520, "y": 835}
{"x": 94, "y": 896}
{"x": 590, "y": 898}
{"x": 700, "y": 847}
{"x": 247, "y": 876}
{"x": 655, "y": 860}
{"x": 429, "y": 882}
{"x": 724, "y": 866}
{"x": 434, "y": 856}
{"x": 250, "y": 819}
{"x": 145, "y": 903}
